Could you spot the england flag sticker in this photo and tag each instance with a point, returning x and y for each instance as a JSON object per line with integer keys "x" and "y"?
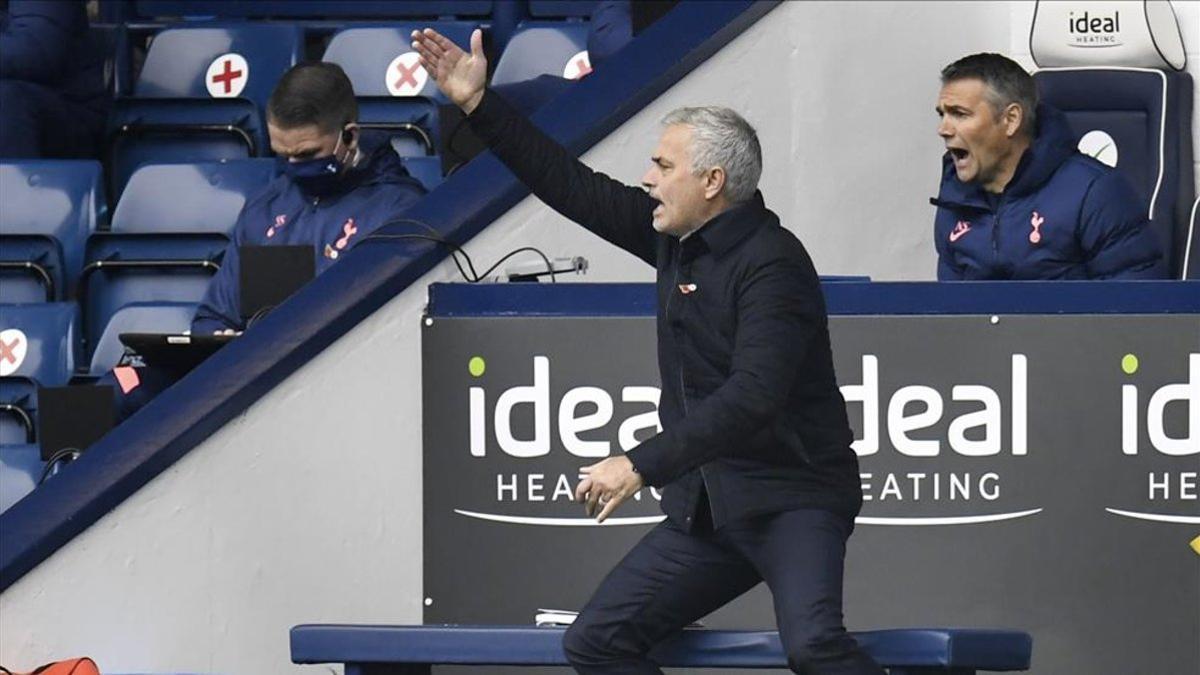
{"x": 227, "y": 76}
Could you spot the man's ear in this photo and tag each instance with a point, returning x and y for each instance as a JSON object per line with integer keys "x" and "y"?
{"x": 1014, "y": 117}
{"x": 350, "y": 134}
{"x": 714, "y": 182}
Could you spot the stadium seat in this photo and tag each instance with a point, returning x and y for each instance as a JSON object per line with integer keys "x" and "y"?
{"x": 394, "y": 92}
{"x": 37, "y": 341}
{"x": 168, "y": 230}
{"x": 189, "y": 198}
{"x": 428, "y": 170}
{"x": 200, "y": 95}
{"x": 128, "y": 268}
{"x": 1140, "y": 120}
{"x": 18, "y": 410}
{"x": 343, "y": 9}
{"x": 544, "y": 48}
{"x": 141, "y": 317}
{"x": 50, "y": 208}
{"x": 20, "y": 468}
{"x": 38, "y": 344}
{"x": 554, "y": 9}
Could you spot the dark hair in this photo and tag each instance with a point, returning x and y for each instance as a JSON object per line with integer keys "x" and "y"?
{"x": 313, "y": 94}
{"x": 1007, "y": 82}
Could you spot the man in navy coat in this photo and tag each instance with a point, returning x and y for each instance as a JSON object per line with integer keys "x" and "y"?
{"x": 1018, "y": 200}
{"x": 336, "y": 186}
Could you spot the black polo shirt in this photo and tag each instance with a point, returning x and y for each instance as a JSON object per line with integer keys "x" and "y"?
{"x": 751, "y": 413}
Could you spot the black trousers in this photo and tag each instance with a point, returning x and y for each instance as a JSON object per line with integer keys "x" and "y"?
{"x": 671, "y": 578}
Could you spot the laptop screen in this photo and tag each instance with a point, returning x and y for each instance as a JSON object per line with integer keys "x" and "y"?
{"x": 270, "y": 274}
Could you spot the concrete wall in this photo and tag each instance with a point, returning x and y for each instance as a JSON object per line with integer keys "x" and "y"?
{"x": 842, "y": 95}
{"x": 308, "y": 506}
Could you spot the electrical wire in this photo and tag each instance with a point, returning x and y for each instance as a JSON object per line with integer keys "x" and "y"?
{"x": 455, "y": 250}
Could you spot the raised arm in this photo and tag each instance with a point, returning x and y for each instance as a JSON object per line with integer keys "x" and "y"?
{"x": 617, "y": 212}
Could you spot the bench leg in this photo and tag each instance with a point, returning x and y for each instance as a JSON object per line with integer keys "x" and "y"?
{"x": 919, "y": 670}
{"x": 388, "y": 669}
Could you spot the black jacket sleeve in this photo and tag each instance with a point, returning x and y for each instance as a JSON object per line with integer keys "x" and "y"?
{"x": 619, "y": 213}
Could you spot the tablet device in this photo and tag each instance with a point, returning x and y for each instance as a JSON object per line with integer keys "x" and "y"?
{"x": 73, "y": 417}
{"x": 174, "y": 350}
{"x": 268, "y": 275}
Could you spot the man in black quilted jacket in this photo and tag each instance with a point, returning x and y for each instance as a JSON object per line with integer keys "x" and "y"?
{"x": 758, "y": 480}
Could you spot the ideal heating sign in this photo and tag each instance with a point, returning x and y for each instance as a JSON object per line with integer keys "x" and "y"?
{"x": 957, "y": 420}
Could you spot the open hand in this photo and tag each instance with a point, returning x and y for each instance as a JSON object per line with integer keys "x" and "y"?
{"x": 460, "y": 76}
{"x": 606, "y": 485}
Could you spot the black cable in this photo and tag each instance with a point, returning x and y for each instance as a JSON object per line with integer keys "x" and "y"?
{"x": 455, "y": 248}
{"x": 259, "y": 314}
{"x": 474, "y": 277}
{"x": 425, "y": 237}
{"x": 60, "y": 455}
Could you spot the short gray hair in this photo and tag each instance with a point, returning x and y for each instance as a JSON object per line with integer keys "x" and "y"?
{"x": 1007, "y": 82}
{"x": 721, "y": 137}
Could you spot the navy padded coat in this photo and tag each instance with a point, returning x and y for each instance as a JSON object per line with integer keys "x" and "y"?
{"x": 1064, "y": 215}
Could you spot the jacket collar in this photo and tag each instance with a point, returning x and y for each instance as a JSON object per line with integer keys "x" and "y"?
{"x": 1053, "y": 145}
{"x": 725, "y": 230}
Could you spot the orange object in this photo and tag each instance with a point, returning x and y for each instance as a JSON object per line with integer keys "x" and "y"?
{"x": 79, "y": 666}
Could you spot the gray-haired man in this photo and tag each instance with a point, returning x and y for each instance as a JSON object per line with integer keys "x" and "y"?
{"x": 759, "y": 481}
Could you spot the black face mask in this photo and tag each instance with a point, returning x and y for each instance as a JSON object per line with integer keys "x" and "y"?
{"x": 319, "y": 176}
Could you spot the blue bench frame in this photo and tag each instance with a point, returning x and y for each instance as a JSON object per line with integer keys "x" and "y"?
{"x": 414, "y": 650}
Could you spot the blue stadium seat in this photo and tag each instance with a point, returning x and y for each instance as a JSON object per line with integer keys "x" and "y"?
{"x": 553, "y": 9}
{"x": 18, "y": 410}
{"x": 200, "y": 95}
{"x": 428, "y": 170}
{"x": 1142, "y": 118}
{"x": 189, "y": 198}
{"x": 38, "y": 342}
{"x": 139, "y": 317}
{"x": 50, "y": 208}
{"x": 342, "y": 9}
{"x": 20, "y": 468}
{"x": 394, "y": 92}
{"x": 544, "y": 48}
{"x": 123, "y": 269}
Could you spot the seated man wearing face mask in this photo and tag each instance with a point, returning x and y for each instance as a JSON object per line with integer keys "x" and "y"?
{"x": 335, "y": 186}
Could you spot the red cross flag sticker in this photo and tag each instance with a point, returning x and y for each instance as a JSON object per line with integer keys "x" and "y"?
{"x": 577, "y": 66}
{"x": 405, "y": 76}
{"x": 13, "y": 346}
{"x": 227, "y": 76}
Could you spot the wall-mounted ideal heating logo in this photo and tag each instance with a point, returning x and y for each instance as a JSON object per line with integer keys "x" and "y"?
{"x": 1094, "y": 29}
{"x": 568, "y": 430}
{"x": 933, "y": 455}
{"x": 1177, "y": 484}
{"x": 925, "y": 471}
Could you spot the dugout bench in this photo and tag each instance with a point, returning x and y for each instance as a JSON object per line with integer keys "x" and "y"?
{"x": 414, "y": 650}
